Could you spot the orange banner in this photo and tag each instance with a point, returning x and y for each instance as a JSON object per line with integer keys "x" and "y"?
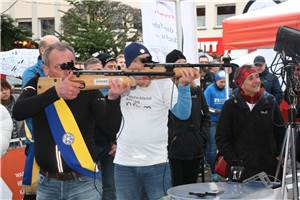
{"x": 12, "y": 165}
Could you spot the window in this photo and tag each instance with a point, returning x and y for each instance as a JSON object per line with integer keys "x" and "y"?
{"x": 200, "y": 17}
{"x": 25, "y": 24}
{"x": 47, "y": 27}
{"x": 224, "y": 12}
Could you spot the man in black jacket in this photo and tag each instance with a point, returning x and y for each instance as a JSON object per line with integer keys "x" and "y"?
{"x": 269, "y": 81}
{"x": 106, "y": 146}
{"x": 186, "y": 138}
{"x": 64, "y": 120}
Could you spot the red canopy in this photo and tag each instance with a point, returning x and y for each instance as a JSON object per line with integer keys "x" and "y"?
{"x": 257, "y": 29}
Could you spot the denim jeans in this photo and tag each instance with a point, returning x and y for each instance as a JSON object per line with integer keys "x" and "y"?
{"x": 78, "y": 189}
{"x": 108, "y": 182}
{"x": 145, "y": 182}
{"x": 211, "y": 147}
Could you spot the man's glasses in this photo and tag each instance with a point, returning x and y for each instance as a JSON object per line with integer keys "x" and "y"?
{"x": 68, "y": 66}
{"x": 146, "y": 60}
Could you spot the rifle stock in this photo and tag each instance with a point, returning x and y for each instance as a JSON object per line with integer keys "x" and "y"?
{"x": 97, "y": 79}
{"x": 89, "y": 82}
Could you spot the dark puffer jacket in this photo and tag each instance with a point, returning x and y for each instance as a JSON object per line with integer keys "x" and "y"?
{"x": 255, "y": 137}
{"x": 271, "y": 84}
{"x": 187, "y": 137}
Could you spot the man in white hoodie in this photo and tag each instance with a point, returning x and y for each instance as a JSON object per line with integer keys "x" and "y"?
{"x": 141, "y": 163}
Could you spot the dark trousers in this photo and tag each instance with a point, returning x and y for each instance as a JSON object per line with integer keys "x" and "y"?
{"x": 184, "y": 171}
{"x": 29, "y": 197}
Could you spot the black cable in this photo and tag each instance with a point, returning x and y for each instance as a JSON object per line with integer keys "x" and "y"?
{"x": 121, "y": 128}
{"x": 166, "y": 163}
{"x": 277, "y": 68}
{"x": 99, "y": 157}
{"x": 101, "y": 154}
{"x": 100, "y": 193}
{"x": 289, "y": 82}
{"x": 171, "y": 144}
{"x": 9, "y": 7}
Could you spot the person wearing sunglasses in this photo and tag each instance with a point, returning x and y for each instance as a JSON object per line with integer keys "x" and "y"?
{"x": 141, "y": 160}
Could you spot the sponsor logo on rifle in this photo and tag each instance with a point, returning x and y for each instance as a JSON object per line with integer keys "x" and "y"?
{"x": 101, "y": 81}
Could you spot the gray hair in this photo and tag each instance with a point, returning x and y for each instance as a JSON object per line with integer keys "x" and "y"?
{"x": 60, "y": 46}
{"x": 120, "y": 56}
{"x": 91, "y": 61}
{"x": 47, "y": 40}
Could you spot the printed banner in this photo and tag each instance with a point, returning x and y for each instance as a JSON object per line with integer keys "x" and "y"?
{"x": 160, "y": 29}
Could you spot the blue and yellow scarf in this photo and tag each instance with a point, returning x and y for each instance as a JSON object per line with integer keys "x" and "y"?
{"x": 69, "y": 140}
{"x": 31, "y": 169}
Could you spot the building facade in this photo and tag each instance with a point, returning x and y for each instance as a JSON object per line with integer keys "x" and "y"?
{"x": 209, "y": 22}
{"x": 44, "y": 16}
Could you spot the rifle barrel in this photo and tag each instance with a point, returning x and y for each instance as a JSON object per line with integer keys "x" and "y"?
{"x": 174, "y": 65}
{"x": 122, "y": 73}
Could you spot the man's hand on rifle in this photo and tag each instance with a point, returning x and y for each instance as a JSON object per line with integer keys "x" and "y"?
{"x": 113, "y": 150}
{"x": 188, "y": 75}
{"x": 68, "y": 89}
{"x": 117, "y": 88}
{"x": 143, "y": 81}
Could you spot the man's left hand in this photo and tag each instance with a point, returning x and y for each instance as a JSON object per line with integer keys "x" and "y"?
{"x": 113, "y": 150}
{"x": 117, "y": 88}
{"x": 188, "y": 75}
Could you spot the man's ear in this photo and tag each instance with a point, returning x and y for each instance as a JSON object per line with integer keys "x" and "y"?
{"x": 46, "y": 70}
{"x": 42, "y": 50}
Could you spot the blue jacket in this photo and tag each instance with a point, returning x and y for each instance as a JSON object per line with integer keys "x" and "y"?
{"x": 215, "y": 99}
{"x": 30, "y": 72}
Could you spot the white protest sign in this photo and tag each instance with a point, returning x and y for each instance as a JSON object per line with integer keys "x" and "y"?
{"x": 14, "y": 62}
{"x": 160, "y": 29}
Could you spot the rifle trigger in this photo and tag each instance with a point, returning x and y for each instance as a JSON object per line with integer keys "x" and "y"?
{"x": 83, "y": 85}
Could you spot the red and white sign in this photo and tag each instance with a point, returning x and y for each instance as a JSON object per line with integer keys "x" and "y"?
{"x": 211, "y": 45}
{"x": 160, "y": 28}
{"x": 12, "y": 165}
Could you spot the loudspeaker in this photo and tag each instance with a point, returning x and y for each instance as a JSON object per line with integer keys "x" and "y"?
{"x": 288, "y": 42}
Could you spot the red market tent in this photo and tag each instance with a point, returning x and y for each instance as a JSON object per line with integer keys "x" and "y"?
{"x": 257, "y": 29}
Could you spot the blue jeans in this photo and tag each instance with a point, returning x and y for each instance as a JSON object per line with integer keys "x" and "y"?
{"x": 211, "y": 147}
{"x": 108, "y": 182}
{"x": 78, "y": 189}
{"x": 134, "y": 183}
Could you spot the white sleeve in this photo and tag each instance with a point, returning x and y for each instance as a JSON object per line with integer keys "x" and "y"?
{"x": 6, "y": 127}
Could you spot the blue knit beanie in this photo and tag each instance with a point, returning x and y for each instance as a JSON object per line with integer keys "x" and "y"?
{"x": 133, "y": 50}
{"x": 219, "y": 75}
